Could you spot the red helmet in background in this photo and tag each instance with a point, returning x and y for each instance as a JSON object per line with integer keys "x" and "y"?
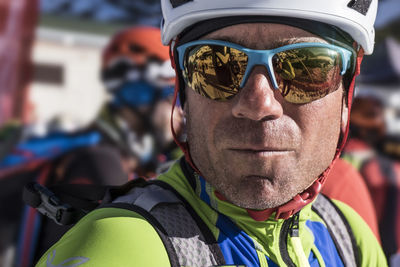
{"x": 137, "y": 53}
{"x": 137, "y": 44}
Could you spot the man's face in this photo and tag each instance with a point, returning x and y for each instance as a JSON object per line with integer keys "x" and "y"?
{"x": 256, "y": 149}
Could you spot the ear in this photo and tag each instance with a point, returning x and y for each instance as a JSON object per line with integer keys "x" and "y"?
{"x": 345, "y": 116}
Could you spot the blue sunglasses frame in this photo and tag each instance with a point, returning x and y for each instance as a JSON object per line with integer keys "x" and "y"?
{"x": 264, "y": 57}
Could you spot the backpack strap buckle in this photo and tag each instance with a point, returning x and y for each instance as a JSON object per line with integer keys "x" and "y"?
{"x": 48, "y": 204}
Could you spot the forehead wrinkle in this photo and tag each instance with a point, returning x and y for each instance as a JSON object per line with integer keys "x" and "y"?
{"x": 251, "y": 43}
{"x": 228, "y": 38}
{"x": 273, "y": 42}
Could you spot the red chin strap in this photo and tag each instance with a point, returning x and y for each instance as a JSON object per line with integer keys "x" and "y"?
{"x": 286, "y": 210}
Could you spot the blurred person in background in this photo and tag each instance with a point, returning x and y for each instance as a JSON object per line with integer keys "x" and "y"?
{"x": 58, "y": 158}
{"x": 366, "y": 150}
{"x": 138, "y": 76}
{"x": 375, "y": 133}
{"x": 131, "y": 135}
{"x": 122, "y": 140}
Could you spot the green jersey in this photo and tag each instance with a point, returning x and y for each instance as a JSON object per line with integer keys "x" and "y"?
{"x": 121, "y": 237}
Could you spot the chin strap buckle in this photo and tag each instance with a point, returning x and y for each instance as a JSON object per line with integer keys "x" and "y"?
{"x": 299, "y": 201}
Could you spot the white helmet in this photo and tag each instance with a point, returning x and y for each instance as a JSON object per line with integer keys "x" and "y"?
{"x": 355, "y": 17}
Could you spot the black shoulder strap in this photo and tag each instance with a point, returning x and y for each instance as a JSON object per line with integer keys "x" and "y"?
{"x": 184, "y": 237}
{"x": 339, "y": 230}
{"x": 187, "y": 239}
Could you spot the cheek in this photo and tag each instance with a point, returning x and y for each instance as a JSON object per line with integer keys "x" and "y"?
{"x": 321, "y": 124}
{"x": 201, "y": 118}
{"x": 203, "y": 113}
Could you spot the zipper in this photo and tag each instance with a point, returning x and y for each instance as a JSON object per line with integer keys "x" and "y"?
{"x": 287, "y": 227}
{"x": 294, "y": 229}
{"x": 291, "y": 227}
{"x": 296, "y": 242}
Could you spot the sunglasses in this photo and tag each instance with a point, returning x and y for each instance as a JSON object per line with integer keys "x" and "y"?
{"x": 302, "y": 72}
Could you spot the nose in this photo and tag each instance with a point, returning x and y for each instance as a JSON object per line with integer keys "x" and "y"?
{"x": 256, "y": 101}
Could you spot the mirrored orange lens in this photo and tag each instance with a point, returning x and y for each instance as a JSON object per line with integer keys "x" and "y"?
{"x": 307, "y": 74}
{"x": 215, "y": 71}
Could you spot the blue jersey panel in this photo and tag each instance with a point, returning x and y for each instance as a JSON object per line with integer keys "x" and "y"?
{"x": 324, "y": 243}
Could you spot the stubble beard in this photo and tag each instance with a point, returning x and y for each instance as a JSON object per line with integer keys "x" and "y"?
{"x": 255, "y": 193}
{"x": 249, "y": 193}
{"x": 243, "y": 192}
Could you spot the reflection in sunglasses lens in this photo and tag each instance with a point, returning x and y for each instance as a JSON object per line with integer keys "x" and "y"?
{"x": 306, "y": 74}
{"x": 215, "y": 71}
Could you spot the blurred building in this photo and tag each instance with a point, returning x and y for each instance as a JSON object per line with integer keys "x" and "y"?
{"x": 66, "y": 89}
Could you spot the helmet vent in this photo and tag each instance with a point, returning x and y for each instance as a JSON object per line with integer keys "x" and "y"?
{"x": 361, "y": 6}
{"x": 176, "y": 3}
